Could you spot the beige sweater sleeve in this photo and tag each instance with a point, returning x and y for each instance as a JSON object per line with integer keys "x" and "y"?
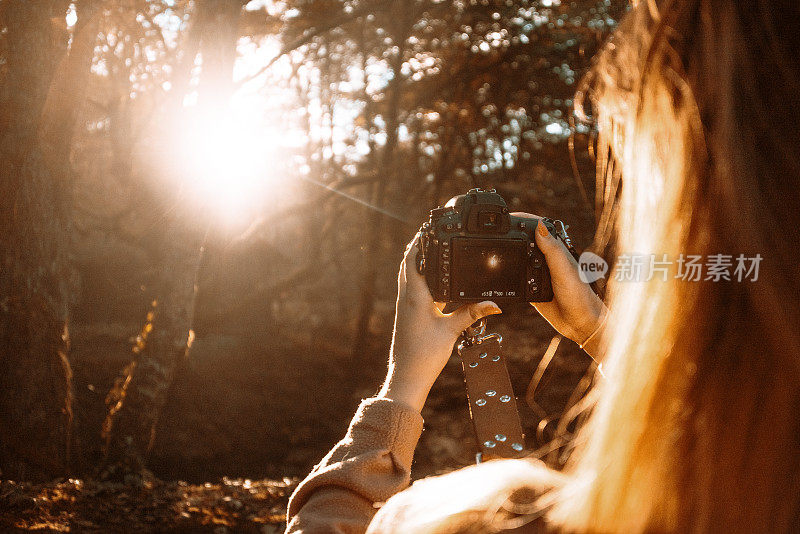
{"x": 373, "y": 462}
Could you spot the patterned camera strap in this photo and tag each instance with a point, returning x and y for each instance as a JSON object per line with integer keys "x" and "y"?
{"x": 492, "y": 404}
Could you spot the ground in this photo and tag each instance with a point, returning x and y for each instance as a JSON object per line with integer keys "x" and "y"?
{"x": 230, "y": 505}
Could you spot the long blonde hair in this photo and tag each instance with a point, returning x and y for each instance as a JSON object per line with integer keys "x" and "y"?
{"x": 696, "y": 427}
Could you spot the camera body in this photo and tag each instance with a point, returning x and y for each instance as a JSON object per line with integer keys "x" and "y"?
{"x": 472, "y": 249}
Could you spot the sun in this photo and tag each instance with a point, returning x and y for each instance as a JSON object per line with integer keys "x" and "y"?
{"x": 228, "y": 162}
{"x": 234, "y": 152}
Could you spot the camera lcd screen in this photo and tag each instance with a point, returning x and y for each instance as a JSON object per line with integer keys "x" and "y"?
{"x": 488, "y": 268}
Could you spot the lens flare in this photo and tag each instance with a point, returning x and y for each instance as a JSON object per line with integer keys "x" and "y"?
{"x": 227, "y": 163}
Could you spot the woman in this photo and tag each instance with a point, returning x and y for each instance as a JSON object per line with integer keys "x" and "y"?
{"x": 695, "y": 426}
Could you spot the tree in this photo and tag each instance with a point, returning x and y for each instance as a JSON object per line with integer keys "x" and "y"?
{"x": 41, "y": 87}
{"x": 468, "y": 93}
{"x": 402, "y": 104}
{"x": 137, "y": 400}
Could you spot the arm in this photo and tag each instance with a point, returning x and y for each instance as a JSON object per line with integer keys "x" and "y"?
{"x": 371, "y": 463}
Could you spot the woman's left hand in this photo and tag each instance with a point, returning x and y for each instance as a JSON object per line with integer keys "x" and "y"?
{"x": 423, "y": 336}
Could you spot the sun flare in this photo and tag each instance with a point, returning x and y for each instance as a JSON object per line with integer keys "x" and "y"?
{"x": 229, "y": 162}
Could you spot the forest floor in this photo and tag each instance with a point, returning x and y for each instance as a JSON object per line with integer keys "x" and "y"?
{"x": 270, "y": 422}
{"x": 230, "y": 505}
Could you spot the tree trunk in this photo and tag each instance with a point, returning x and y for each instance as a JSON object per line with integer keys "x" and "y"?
{"x": 220, "y": 22}
{"x": 375, "y": 219}
{"x": 140, "y": 394}
{"x": 35, "y": 375}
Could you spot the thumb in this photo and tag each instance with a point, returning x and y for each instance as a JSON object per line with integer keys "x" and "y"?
{"x": 466, "y": 315}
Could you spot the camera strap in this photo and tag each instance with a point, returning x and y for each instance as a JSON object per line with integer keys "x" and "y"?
{"x": 492, "y": 403}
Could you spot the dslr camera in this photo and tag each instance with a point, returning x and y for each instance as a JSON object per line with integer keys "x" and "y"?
{"x": 472, "y": 249}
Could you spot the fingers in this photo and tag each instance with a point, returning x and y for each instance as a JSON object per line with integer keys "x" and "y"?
{"x": 409, "y": 257}
{"x": 415, "y": 281}
{"x": 412, "y": 287}
{"x": 556, "y": 254}
{"x": 554, "y": 250}
{"x": 466, "y": 315}
{"x": 412, "y": 246}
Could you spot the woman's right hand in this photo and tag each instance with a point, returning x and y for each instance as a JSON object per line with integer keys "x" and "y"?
{"x": 576, "y": 312}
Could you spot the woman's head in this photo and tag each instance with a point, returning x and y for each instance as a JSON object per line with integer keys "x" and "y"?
{"x": 698, "y": 422}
